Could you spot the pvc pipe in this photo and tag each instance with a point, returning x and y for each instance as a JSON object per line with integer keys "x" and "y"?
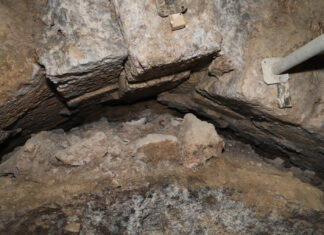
{"x": 302, "y": 54}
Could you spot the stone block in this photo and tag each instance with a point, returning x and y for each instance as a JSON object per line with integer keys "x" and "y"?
{"x": 199, "y": 141}
{"x": 83, "y": 49}
{"x": 155, "y": 50}
{"x": 135, "y": 91}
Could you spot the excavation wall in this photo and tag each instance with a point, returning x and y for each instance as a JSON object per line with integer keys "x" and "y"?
{"x": 63, "y": 59}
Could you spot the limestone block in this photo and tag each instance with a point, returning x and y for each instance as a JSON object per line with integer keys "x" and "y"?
{"x": 83, "y": 49}
{"x": 155, "y": 50}
{"x": 199, "y": 141}
{"x": 235, "y": 96}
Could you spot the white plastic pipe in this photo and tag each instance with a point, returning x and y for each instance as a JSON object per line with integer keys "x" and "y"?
{"x": 302, "y": 54}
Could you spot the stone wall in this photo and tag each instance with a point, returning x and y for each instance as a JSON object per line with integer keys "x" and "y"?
{"x": 233, "y": 94}
{"x": 60, "y": 58}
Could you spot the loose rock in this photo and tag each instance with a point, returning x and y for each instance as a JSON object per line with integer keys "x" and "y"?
{"x": 199, "y": 141}
{"x": 73, "y": 227}
{"x": 86, "y": 150}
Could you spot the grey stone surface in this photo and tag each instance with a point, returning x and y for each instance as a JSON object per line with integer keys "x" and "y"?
{"x": 154, "y": 50}
{"x": 167, "y": 209}
{"x": 298, "y": 129}
{"x": 147, "y": 191}
{"x": 83, "y": 47}
{"x": 233, "y": 92}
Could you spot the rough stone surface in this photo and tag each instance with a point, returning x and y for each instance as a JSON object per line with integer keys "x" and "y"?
{"x": 170, "y": 209}
{"x": 83, "y": 53}
{"x": 85, "y": 150}
{"x": 107, "y": 93}
{"x": 83, "y": 48}
{"x": 90, "y": 180}
{"x": 126, "y": 192}
{"x": 154, "y": 50}
{"x": 27, "y": 160}
{"x": 233, "y": 94}
{"x": 26, "y": 102}
{"x": 72, "y": 150}
{"x": 17, "y": 55}
{"x": 135, "y": 91}
{"x": 199, "y": 141}
{"x": 153, "y": 139}
{"x": 85, "y": 45}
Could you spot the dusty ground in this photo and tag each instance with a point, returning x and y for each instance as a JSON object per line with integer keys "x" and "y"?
{"x": 149, "y": 191}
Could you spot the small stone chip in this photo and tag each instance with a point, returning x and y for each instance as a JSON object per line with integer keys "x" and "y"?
{"x": 73, "y": 227}
{"x": 177, "y": 21}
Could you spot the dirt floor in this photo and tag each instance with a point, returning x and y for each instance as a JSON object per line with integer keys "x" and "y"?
{"x": 95, "y": 180}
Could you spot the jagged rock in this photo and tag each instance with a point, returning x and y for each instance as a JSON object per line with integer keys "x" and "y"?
{"x": 299, "y": 128}
{"x": 220, "y": 66}
{"x": 84, "y": 150}
{"x": 69, "y": 55}
{"x": 154, "y": 50}
{"x": 83, "y": 48}
{"x": 199, "y": 141}
{"x": 240, "y": 101}
{"x": 83, "y": 54}
{"x": 17, "y": 57}
{"x": 26, "y": 102}
{"x": 43, "y": 150}
{"x": 34, "y": 158}
{"x": 149, "y": 190}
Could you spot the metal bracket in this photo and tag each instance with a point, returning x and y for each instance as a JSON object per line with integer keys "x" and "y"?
{"x": 282, "y": 81}
{"x": 169, "y": 7}
{"x": 274, "y": 67}
{"x": 268, "y": 76}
